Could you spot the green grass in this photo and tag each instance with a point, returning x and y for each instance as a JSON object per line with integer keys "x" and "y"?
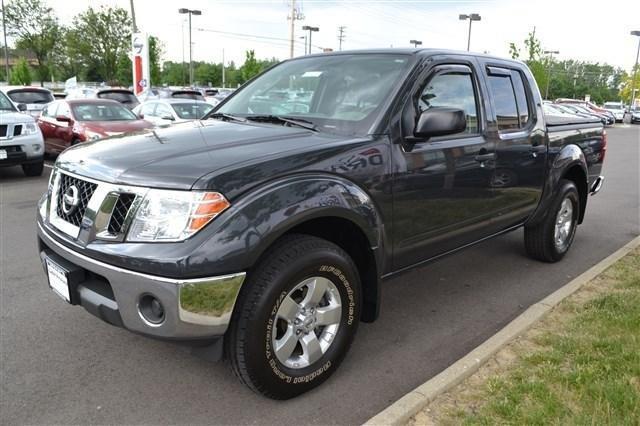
{"x": 584, "y": 368}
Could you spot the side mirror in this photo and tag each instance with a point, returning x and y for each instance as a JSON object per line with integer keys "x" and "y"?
{"x": 21, "y": 107}
{"x": 140, "y": 115}
{"x": 440, "y": 121}
{"x": 63, "y": 119}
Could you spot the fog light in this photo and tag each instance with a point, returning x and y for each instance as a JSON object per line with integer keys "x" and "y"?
{"x": 36, "y": 147}
{"x": 151, "y": 310}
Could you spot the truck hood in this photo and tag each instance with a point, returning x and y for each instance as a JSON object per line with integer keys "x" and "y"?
{"x": 177, "y": 156}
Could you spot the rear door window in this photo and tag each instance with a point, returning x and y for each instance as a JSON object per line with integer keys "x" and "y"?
{"x": 504, "y": 102}
{"x": 510, "y": 100}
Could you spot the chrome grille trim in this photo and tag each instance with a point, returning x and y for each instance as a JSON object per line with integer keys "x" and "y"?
{"x": 95, "y": 222}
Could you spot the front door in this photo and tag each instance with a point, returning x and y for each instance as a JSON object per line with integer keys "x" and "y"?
{"x": 442, "y": 197}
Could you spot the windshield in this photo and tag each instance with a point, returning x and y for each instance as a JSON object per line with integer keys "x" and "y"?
{"x": 339, "y": 94}
{"x": 31, "y": 96}
{"x": 102, "y": 112}
{"x": 5, "y": 103}
{"x": 122, "y": 97}
{"x": 191, "y": 111}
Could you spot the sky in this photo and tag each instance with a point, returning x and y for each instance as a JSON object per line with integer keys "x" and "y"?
{"x": 589, "y": 30}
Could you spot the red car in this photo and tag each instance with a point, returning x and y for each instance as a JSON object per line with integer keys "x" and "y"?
{"x": 67, "y": 122}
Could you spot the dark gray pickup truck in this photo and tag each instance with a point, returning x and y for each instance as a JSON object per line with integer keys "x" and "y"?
{"x": 262, "y": 233}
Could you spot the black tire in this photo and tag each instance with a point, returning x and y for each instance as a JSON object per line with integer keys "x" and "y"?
{"x": 248, "y": 343}
{"x": 33, "y": 169}
{"x": 539, "y": 240}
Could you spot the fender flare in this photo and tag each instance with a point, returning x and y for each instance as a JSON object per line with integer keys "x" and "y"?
{"x": 570, "y": 156}
{"x": 241, "y": 235}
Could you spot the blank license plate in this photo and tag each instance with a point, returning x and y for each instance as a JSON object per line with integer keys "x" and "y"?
{"x": 3, "y": 154}
{"x": 58, "y": 280}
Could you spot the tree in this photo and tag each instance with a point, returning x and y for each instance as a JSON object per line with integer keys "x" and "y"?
{"x": 251, "y": 67}
{"x": 20, "y": 74}
{"x": 102, "y": 37}
{"x": 155, "y": 52}
{"x": 36, "y": 29}
{"x": 627, "y": 83}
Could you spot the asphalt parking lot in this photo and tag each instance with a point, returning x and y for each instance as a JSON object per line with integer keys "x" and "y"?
{"x": 60, "y": 365}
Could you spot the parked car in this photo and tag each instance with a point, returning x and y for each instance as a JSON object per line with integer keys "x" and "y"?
{"x": 33, "y": 98}
{"x": 582, "y": 112}
{"x": 616, "y": 108}
{"x": 21, "y": 142}
{"x": 171, "y": 111}
{"x": 266, "y": 233}
{"x": 635, "y": 114}
{"x": 165, "y": 93}
{"x": 125, "y": 96}
{"x": 605, "y": 118}
{"x": 69, "y": 122}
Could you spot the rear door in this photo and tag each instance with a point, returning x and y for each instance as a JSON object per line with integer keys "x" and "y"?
{"x": 521, "y": 151}
{"x": 441, "y": 192}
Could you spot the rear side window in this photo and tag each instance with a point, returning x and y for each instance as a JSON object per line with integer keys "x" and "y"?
{"x": 504, "y": 101}
{"x": 510, "y": 100}
{"x": 147, "y": 109}
{"x": 521, "y": 98}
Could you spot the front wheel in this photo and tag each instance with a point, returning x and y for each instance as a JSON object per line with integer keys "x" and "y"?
{"x": 551, "y": 239}
{"x": 296, "y": 318}
{"x": 33, "y": 169}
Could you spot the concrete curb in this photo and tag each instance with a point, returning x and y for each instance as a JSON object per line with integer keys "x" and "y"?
{"x": 409, "y": 405}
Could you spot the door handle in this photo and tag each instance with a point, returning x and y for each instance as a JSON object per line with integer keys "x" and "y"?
{"x": 481, "y": 158}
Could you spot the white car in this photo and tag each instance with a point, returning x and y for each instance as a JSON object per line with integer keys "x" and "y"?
{"x": 21, "y": 142}
{"x": 616, "y": 108}
{"x": 29, "y": 99}
{"x": 168, "y": 111}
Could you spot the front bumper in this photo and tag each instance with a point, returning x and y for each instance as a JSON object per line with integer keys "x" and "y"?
{"x": 194, "y": 309}
{"x": 22, "y": 149}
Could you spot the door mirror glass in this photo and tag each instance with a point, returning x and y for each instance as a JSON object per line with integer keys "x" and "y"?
{"x": 21, "y": 107}
{"x": 440, "y": 121}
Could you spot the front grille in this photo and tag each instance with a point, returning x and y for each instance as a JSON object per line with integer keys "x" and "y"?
{"x": 119, "y": 214}
{"x": 12, "y": 149}
{"x": 85, "y": 191}
{"x": 3, "y": 130}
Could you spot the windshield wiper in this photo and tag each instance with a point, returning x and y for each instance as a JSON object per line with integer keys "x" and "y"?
{"x": 224, "y": 116}
{"x": 299, "y": 122}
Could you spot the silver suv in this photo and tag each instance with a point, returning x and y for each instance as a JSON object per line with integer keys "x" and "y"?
{"x": 21, "y": 141}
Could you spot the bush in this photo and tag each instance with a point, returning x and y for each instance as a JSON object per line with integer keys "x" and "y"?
{"x": 20, "y": 75}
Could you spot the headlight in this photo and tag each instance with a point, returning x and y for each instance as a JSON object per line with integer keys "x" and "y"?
{"x": 93, "y": 136}
{"x": 29, "y": 129}
{"x": 166, "y": 215}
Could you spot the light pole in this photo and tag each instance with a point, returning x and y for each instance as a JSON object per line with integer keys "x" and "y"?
{"x": 311, "y": 31}
{"x": 6, "y": 48}
{"x": 471, "y": 17}
{"x": 196, "y": 13}
{"x": 305, "y": 43}
{"x": 550, "y": 53}
{"x": 416, "y": 43}
{"x": 635, "y": 70}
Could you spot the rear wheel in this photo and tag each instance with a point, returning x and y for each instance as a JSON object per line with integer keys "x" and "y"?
{"x": 33, "y": 169}
{"x": 296, "y": 318}
{"x": 551, "y": 239}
